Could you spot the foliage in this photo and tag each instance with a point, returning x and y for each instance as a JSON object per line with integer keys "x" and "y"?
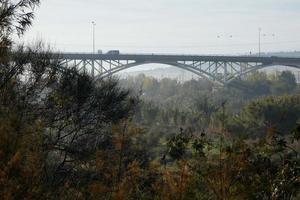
{"x": 52, "y": 119}
{"x": 65, "y": 136}
{"x": 276, "y": 112}
{"x": 15, "y": 17}
{"x": 265, "y": 169}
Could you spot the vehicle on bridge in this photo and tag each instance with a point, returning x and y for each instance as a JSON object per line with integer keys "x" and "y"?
{"x": 100, "y": 51}
{"x": 113, "y": 52}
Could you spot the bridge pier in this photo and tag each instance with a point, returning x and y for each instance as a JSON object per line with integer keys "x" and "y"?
{"x": 93, "y": 68}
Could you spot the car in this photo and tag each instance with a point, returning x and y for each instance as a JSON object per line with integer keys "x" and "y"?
{"x": 100, "y": 52}
{"x": 113, "y": 52}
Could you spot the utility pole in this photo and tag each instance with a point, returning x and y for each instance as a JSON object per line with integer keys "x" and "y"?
{"x": 259, "y": 41}
{"x": 94, "y": 24}
{"x": 93, "y": 61}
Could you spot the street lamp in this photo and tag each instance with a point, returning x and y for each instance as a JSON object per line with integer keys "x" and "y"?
{"x": 94, "y": 24}
{"x": 260, "y": 35}
{"x": 259, "y": 41}
{"x": 93, "y": 62}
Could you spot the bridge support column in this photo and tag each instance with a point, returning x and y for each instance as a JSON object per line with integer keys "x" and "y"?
{"x": 225, "y": 72}
{"x": 84, "y": 66}
{"x": 93, "y": 68}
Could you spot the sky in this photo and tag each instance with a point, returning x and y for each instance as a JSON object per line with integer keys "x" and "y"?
{"x": 168, "y": 26}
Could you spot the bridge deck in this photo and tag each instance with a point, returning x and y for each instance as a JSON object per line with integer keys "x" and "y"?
{"x": 172, "y": 58}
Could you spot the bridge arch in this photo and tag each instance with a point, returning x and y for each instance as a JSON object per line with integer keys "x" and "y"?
{"x": 197, "y": 71}
{"x": 259, "y": 67}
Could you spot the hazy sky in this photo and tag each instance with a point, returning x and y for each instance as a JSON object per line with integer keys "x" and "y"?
{"x": 169, "y": 26}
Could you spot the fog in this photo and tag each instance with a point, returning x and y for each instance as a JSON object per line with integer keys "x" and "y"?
{"x": 165, "y": 26}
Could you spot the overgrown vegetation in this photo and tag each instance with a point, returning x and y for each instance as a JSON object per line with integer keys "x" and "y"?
{"x": 65, "y": 136}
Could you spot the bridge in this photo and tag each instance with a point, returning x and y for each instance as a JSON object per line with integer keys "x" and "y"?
{"x": 218, "y": 69}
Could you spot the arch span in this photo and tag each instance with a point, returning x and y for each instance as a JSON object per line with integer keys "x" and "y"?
{"x": 259, "y": 67}
{"x": 194, "y": 70}
{"x": 212, "y": 76}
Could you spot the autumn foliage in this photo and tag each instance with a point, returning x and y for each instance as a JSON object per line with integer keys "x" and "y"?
{"x": 65, "y": 136}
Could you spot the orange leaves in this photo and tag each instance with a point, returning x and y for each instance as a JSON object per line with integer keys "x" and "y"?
{"x": 20, "y": 158}
{"x": 15, "y": 161}
{"x": 175, "y": 183}
{"x": 99, "y": 190}
{"x": 133, "y": 174}
{"x": 118, "y": 176}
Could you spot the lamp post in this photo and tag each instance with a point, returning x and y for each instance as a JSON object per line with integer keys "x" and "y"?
{"x": 259, "y": 41}
{"x": 93, "y": 61}
{"x": 260, "y": 36}
{"x": 94, "y": 24}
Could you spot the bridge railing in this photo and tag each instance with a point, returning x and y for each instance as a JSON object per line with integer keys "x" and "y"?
{"x": 156, "y": 54}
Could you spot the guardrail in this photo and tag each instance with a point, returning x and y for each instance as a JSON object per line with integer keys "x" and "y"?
{"x": 161, "y": 54}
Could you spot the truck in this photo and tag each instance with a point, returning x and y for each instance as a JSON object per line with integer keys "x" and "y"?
{"x": 113, "y": 52}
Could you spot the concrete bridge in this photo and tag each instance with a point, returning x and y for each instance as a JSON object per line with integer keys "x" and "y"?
{"x": 219, "y": 69}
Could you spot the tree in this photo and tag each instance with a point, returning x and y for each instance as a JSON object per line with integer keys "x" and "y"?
{"x": 279, "y": 113}
{"x": 267, "y": 168}
{"x": 286, "y": 83}
{"x": 52, "y": 119}
{"x": 15, "y": 17}
{"x": 21, "y": 158}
